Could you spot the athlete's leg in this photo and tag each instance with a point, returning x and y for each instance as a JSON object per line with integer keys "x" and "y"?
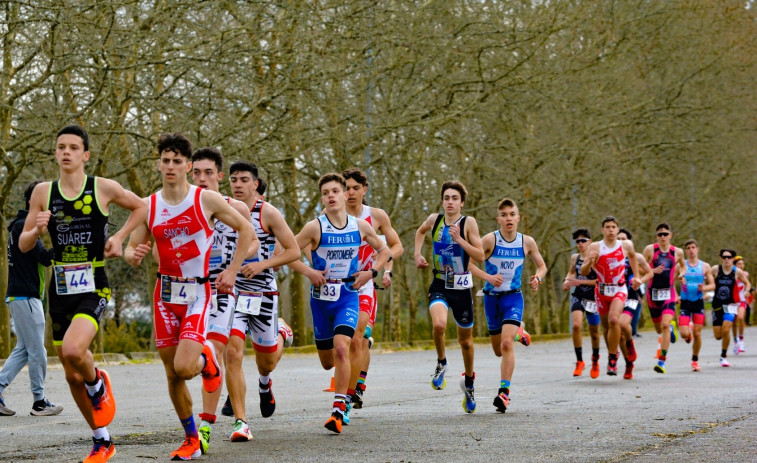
{"x": 356, "y": 349}
{"x": 665, "y": 333}
{"x": 341, "y": 357}
{"x": 235, "y": 380}
{"x": 438, "y": 311}
{"x": 726, "y": 336}
{"x": 740, "y": 317}
{"x": 507, "y": 364}
{"x": 177, "y": 386}
{"x": 78, "y": 363}
{"x": 577, "y": 318}
{"x": 626, "y": 333}
{"x": 187, "y": 361}
{"x": 613, "y": 325}
{"x": 465, "y": 338}
{"x": 697, "y": 345}
{"x": 496, "y": 340}
{"x": 210, "y": 399}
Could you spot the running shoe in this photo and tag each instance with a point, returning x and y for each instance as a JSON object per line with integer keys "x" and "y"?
{"x": 226, "y": 410}
{"x": 241, "y": 432}
{"x": 501, "y": 402}
{"x": 437, "y": 381}
{"x": 102, "y": 451}
{"x": 695, "y": 366}
{"x": 742, "y": 348}
{"x": 267, "y": 401}
{"x": 523, "y": 337}
{"x": 631, "y": 347}
{"x": 724, "y": 362}
{"x": 370, "y": 342}
{"x": 660, "y": 367}
{"x": 204, "y": 432}
{"x": 673, "y": 332}
{"x": 579, "y": 369}
{"x": 189, "y": 449}
{"x": 469, "y": 402}
{"x": 103, "y": 402}
{"x": 629, "y": 371}
{"x": 736, "y": 346}
{"x": 286, "y": 332}
{"x": 612, "y": 368}
{"x": 212, "y": 376}
{"x": 594, "y": 373}
{"x": 334, "y": 423}
{"x": 45, "y": 408}
{"x": 346, "y": 413}
{"x": 357, "y": 398}
{"x": 5, "y": 411}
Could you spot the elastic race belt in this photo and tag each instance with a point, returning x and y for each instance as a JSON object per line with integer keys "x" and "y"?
{"x": 202, "y": 280}
{"x": 501, "y": 293}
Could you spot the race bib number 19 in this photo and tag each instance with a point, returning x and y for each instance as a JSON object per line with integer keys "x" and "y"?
{"x": 610, "y": 290}
{"x": 74, "y": 279}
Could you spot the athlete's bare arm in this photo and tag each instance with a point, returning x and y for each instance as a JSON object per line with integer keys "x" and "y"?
{"x": 741, "y": 275}
{"x": 110, "y": 191}
{"x": 570, "y": 279}
{"x": 646, "y": 270}
{"x": 471, "y": 243}
{"x": 532, "y": 249}
{"x": 139, "y": 244}
{"x": 285, "y": 241}
{"x": 680, "y": 262}
{"x": 592, "y": 254}
{"x": 382, "y": 254}
{"x": 241, "y": 207}
{"x": 38, "y": 218}
{"x": 420, "y": 235}
{"x": 308, "y": 238}
{"x": 634, "y": 261}
{"x": 708, "y": 278}
{"x": 392, "y": 240}
{"x": 487, "y": 242}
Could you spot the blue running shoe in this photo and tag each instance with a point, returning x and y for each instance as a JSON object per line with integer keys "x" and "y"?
{"x": 673, "y": 332}
{"x": 469, "y": 402}
{"x": 437, "y": 381}
{"x": 346, "y": 414}
{"x": 660, "y": 367}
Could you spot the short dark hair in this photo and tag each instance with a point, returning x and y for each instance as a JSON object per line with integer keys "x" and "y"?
{"x": 332, "y": 177}
{"x": 455, "y": 185}
{"x": 506, "y": 202}
{"x": 355, "y": 174}
{"x": 691, "y": 241}
{"x": 628, "y": 233}
{"x": 244, "y": 166}
{"x": 663, "y": 225}
{"x": 262, "y": 185}
{"x": 28, "y": 192}
{"x": 610, "y": 218}
{"x": 733, "y": 252}
{"x": 581, "y": 232}
{"x": 176, "y": 142}
{"x": 210, "y": 154}
{"x": 74, "y": 129}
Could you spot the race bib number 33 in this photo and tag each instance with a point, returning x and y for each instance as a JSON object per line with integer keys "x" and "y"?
{"x": 327, "y": 292}
{"x": 74, "y": 278}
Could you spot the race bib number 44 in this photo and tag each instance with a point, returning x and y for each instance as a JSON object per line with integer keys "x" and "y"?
{"x": 178, "y": 290}
{"x": 327, "y": 292}
{"x": 74, "y": 278}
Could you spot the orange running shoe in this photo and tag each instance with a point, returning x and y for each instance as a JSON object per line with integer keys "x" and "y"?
{"x": 594, "y": 373}
{"x": 189, "y": 449}
{"x": 103, "y": 402}
{"x": 334, "y": 423}
{"x": 631, "y": 347}
{"x": 101, "y": 452}
{"x": 212, "y": 376}
{"x": 579, "y": 369}
{"x": 695, "y": 366}
{"x": 523, "y": 337}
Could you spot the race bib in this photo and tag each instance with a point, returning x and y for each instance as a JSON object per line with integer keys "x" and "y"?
{"x": 458, "y": 281}
{"x": 249, "y": 302}
{"x": 589, "y": 306}
{"x": 731, "y": 308}
{"x": 327, "y": 292}
{"x": 610, "y": 290}
{"x": 660, "y": 294}
{"x": 213, "y": 302}
{"x": 632, "y": 304}
{"x": 178, "y": 290}
{"x": 74, "y": 278}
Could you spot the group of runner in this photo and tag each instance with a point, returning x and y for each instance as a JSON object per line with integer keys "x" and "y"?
{"x": 216, "y": 284}
{"x": 609, "y": 279}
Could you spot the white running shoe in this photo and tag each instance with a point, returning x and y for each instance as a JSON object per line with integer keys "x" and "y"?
{"x": 724, "y": 362}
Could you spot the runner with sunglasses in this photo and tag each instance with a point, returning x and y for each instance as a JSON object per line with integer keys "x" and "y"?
{"x": 725, "y": 302}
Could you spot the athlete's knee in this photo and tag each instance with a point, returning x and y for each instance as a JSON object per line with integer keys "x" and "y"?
{"x": 577, "y": 327}
{"x": 466, "y": 343}
{"x": 439, "y": 326}
{"x": 506, "y": 346}
{"x": 266, "y": 363}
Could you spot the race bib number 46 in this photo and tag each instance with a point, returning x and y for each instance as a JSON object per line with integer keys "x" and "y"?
{"x": 458, "y": 281}
{"x": 660, "y": 294}
{"x": 178, "y": 290}
{"x": 74, "y": 278}
{"x": 327, "y": 292}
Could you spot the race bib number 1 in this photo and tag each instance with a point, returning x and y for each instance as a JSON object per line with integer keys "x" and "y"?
{"x": 178, "y": 290}
{"x": 660, "y": 294}
{"x": 327, "y": 292}
{"x": 458, "y": 281}
{"x": 249, "y": 302}
{"x": 74, "y": 278}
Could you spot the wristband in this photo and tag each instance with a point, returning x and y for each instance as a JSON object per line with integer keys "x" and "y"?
{"x": 389, "y": 272}
{"x": 374, "y": 272}
{"x": 538, "y": 279}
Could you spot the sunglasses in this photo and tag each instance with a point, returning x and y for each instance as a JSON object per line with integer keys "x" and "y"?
{"x": 727, "y": 257}
{"x": 581, "y": 241}
{"x": 663, "y": 234}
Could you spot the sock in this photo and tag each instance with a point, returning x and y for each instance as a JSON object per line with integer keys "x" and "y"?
{"x": 579, "y": 354}
{"x": 207, "y": 419}
{"x": 190, "y": 430}
{"x": 662, "y": 358}
{"x": 443, "y": 361}
{"x": 360, "y": 387}
{"x": 94, "y": 388}
{"x": 469, "y": 381}
{"x": 663, "y": 353}
{"x": 263, "y": 386}
{"x": 101, "y": 433}
{"x": 595, "y": 353}
{"x": 504, "y": 384}
{"x": 694, "y": 358}
{"x": 613, "y": 358}
{"x": 724, "y": 353}
{"x": 741, "y": 337}
{"x": 340, "y": 403}
{"x": 350, "y": 393}
{"x": 361, "y": 378}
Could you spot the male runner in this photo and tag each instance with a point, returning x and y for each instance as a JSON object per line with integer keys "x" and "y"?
{"x": 357, "y": 187}
{"x": 258, "y": 306}
{"x": 741, "y": 315}
{"x": 725, "y": 301}
{"x": 74, "y": 210}
{"x": 181, "y": 220}
{"x": 607, "y": 258}
{"x": 667, "y": 262}
{"x": 334, "y": 239}
{"x": 694, "y": 283}
{"x": 506, "y": 250}
{"x": 207, "y": 172}
{"x": 455, "y": 239}
{"x": 582, "y": 301}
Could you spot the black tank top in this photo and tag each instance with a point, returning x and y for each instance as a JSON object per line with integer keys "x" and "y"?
{"x": 584, "y": 291}
{"x": 725, "y": 286}
{"x": 79, "y": 229}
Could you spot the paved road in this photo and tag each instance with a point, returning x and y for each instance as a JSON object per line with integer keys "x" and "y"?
{"x": 680, "y": 416}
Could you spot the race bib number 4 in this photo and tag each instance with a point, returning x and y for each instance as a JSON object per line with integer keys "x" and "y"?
{"x": 327, "y": 292}
{"x": 589, "y": 306}
{"x": 74, "y": 278}
{"x": 731, "y": 308}
{"x": 660, "y": 294}
{"x": 178, "y": 290}
{"x": 458, "y": 281}
{"x": 249, "y": 302}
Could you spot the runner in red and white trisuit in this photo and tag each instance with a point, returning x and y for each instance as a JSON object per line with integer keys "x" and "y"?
{"x": 607, "y": 258}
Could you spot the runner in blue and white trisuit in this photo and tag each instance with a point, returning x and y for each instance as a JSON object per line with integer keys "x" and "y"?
{"x": 725, "y": 301}
{"x": 694, "y": 283}
{"x": 455, "y": 240}
{"x": 334, "y": 240}
{"x": 506, "y": 250}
